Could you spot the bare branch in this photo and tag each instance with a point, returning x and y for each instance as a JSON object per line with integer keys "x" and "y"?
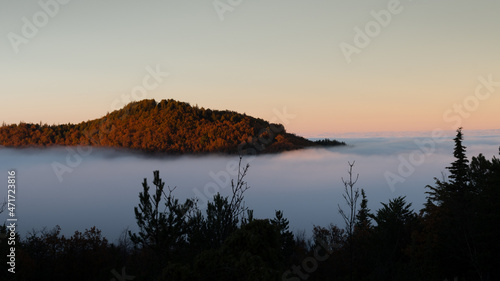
{"x": 351, "y": 196}
{"x": 237, "y": 204}
{"x": 3, "y": 206}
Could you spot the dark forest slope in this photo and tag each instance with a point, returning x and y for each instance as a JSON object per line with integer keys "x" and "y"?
{"x": 168, "y": 126}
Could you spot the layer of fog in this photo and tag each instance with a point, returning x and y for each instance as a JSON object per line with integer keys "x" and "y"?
{"x": 102, "y": 189}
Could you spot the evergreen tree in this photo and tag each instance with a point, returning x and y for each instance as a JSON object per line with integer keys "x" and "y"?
{"x": 395, "y": 224}
{"x": 460, "y": 214}
{"x": 459, "y": 168}
{"x": 455, "y": 189}
{"x": 286, "y": 236}
{"x": 363, "y": 240}
{"x": 162, "y": 230}
{"x": 220, "y": 222}
{"x": 363, "y": 220}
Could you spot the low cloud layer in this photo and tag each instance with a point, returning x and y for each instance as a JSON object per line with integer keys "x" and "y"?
{"x": 102, "y": 188}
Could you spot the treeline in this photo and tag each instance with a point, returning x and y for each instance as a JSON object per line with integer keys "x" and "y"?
{"x": 454, "y": 236}
{"x": 168, "y": 127}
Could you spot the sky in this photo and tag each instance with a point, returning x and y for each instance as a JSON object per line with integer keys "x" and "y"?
{"x": 320, "y": 67}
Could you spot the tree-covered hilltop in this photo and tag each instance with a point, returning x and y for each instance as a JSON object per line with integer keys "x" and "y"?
{"x": 167, "y": 126}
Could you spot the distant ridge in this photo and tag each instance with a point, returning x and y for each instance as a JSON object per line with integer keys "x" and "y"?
{"x": 167, "y": 126}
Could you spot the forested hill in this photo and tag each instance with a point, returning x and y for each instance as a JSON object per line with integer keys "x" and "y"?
{"x": 168, "y": 126}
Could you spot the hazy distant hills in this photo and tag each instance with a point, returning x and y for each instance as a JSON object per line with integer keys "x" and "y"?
{"x": 168, "y": 126}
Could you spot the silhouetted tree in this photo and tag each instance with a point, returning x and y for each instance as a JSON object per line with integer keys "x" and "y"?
{"x": 48, "y": 255}
{"x": 286, "y": 236}
{"x": 3, "y": 206}
{"x": 162, "y": 229}
{"x": 484, "y": 188}
{"x": 452, "y": 201}
{"x": 395, "y": 223}
{"x": 250, "y": 253}
{"x": 351, "y": 196}
{"x": 224, "y": 213}
{"x": 459, "y": 168}
{"x": 363, "y": 220}
{"x": 363, "y": 241}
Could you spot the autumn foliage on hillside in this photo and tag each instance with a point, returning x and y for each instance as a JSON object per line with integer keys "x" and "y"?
{"x": 168, "y": 126}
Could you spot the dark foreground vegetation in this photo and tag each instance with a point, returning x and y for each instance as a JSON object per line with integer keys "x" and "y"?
{"x": 454, "y": 236}
{"x": 167, "y": 126}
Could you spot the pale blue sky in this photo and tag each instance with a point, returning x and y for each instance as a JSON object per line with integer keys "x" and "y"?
{"x": 264, "y": 56}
